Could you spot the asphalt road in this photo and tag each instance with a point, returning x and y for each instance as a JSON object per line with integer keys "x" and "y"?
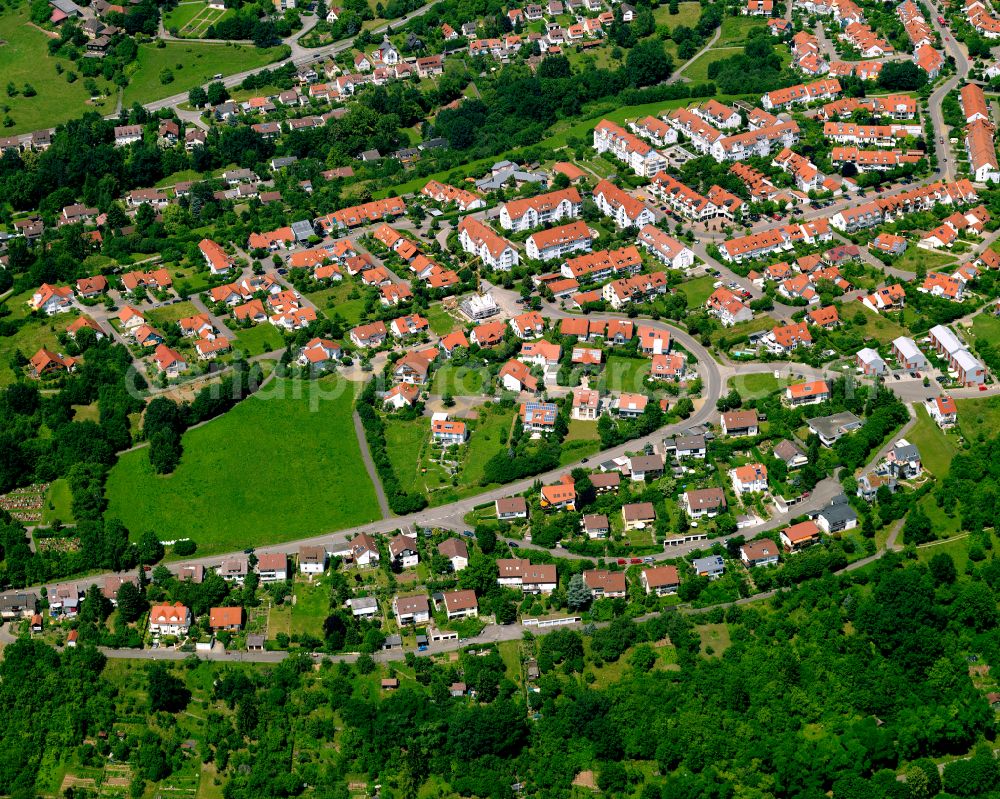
{"x": 299, "y": 57}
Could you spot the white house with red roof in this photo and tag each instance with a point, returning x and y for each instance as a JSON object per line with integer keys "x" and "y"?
{"x": 942, "y": 410}
{"x": 516, "y": 376}
{"x": 524, "y": 214}
{"x": 169, "y": 619}
{"x": 169, "y": 361}
{"x": 639, "y": 155}
{"x": 209, "y": 349}
{"x": 448, "y": 432}
{"x": 811, "y": 393}
{"x": 319, "y": 352}
{"x": 218, "y": 261}
{"x": 52, "y": 299}
{"x": 80, "y": 323}
{"x": 666, "y": 248}
{"x": 528, "y": 325}
{"x": 622, "y": 207}
{"x": 749, "y": 478}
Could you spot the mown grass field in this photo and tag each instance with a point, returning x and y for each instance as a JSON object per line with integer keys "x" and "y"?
{"x": 181, "y": 15}
{"x": 687, "y": 15}
{"x": 312, "y": 606}
{"x": 978, "y": 416}
{"x": 736, "y": 29}
{"x": 24, "y": 58}
{"x": 193, "y": 19}
{"x": 259, "y": 339}
{"x": 698, "y": 69}
{"x": 491, "y": 429}
{"x": 281, "y": 465}
{"x": 914, "y": 258}
{"x": 405, "y": 440}
{"x": 458, "y": 381}
{"x": 625, "y": 374}
{"x": 581, "y": 440}
{"x": 878, "y": 326}
{"x": 192, "y": 65}
{"x": 986, "y": 327}
{"x": 755, "y": 386}
{"x": 698, "y": 290}
{"x": 415, "y": 460}
{"x": 936, "y": 448}
{"x": 58, "y": 503}
{"x": 172, "y": 313}
{"x": 337, "y": 299}
{"x": 440, "y": 320}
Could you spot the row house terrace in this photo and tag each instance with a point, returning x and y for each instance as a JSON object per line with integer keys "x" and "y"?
{"x": 482, "y": 241}
{"x": 862, "y": 70}
{"x": 863, "y": 39}
{"x": 968, "y": 370}
{"x": 974, "y": 105}
{"x": 723, "y": 117}
{"x": 655, "y": 130}
{"x": 982, "y": 20}
{"x": 364, "y": 214}
{"x": 874, "y": 212}
{"x": 690, "y": 204}
{"x": 826, "y": 89}
{"x": 500, "y": 49}
{"x": 897, "y": 106}
{"x": 846, "y": 11}
{"x": 559, "y": 242}
{"x": 601, "y": 265}
{"x": 916, "y": 27}
{"x": 981, "y": 149}
{"x": 757, "y": 245}
{"x": 639, "y": 155}
{"x": 666, "y": 248}
{"x": 876, "y": 135}
{"x": 445, "y": 194}
{"x": 874, "y": 160}
{"x": 638, "y": 288}
{"x": 756, "y": 142}
{"x": 757, "y": 183}
{"x": 701, "y": 134}
{"x": 622, "y": 207}
{"x": 542, "y": 209}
